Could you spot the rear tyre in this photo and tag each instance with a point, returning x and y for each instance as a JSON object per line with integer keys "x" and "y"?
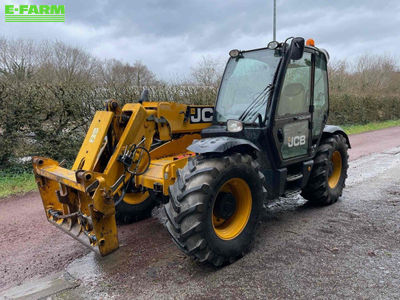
{"x": 329, "y": 173}
{"x": 131, "y": 210}
{"x": 214, "y": 207}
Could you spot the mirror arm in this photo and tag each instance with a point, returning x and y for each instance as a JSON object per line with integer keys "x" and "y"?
{"x": 258, "y": 117}
{"x": 260, "y": 120}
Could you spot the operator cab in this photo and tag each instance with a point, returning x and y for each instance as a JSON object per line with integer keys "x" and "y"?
{"x": 276, "y": 97}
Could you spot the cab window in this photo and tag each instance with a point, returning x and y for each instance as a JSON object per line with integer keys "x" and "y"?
{"x": 295, "y": 93}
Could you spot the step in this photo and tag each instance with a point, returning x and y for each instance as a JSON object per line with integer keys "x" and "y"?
{"x": 294, "y": 177}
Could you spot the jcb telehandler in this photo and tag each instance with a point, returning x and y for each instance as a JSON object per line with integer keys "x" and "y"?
{"x": 211, "y": 167}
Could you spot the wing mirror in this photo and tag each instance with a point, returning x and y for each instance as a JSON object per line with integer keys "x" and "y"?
{"x": 296, "y": 48}
{"x": 144, "y": 97}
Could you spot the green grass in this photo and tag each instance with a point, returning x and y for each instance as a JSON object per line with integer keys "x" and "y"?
{"x": 11, "y": 184}
{"x": 353, "y": 129}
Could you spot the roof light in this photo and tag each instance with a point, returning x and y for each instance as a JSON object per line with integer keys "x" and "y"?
{"x": 273, "y": 45}
{"x": 234, "y": 53}
{"x": 310, "y": 42}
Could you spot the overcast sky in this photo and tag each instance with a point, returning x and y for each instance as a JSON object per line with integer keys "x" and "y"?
{"x": 170, "y": 36}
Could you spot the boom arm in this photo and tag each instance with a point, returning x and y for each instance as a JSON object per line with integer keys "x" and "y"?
{"x": 115, "y": 150}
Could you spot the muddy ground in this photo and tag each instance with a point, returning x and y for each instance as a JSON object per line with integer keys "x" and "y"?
{"x": 350, "y": 249}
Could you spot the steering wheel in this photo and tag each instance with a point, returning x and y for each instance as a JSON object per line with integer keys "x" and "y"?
{"x": 293, "y": 89}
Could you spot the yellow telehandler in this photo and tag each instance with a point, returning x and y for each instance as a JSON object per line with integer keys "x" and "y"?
{"x": 211, "y": 167}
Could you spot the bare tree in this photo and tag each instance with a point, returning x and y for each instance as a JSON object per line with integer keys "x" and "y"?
{"x": 338, "y": 75}
{"x": 143, "y": 76}
{"x": 366, "y": 75}
{"x": 17, "y": 58}
{"x": 117, "y": 74}
{"x": 375, "y": 72}
{"x": 65, "y": 63}
{"x": 207, "y": 72}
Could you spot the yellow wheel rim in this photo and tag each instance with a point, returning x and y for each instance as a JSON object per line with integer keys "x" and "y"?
{"x": 135, "y": 198}
{"x": 230, "y": 228}
{"x": 334, "y": 178}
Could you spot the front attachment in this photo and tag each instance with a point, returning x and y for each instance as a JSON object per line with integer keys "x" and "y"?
{"x": 78, "y": 203}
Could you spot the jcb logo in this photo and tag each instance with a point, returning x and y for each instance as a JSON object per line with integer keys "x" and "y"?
{"x": 295, "y": 141}
{"x": 201, "y": 114}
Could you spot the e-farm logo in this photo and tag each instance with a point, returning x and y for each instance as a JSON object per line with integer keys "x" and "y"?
{"x": 34, "y": 13}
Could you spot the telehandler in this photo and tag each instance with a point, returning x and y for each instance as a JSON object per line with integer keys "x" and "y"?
{"x": 211, "y": 167}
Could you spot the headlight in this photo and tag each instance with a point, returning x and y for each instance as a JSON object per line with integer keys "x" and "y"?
{"x": 234, "y": 126}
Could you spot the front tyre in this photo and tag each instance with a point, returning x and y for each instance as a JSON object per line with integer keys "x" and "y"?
{"x": 134, "y": 207}
{"x": 329, "y": 173}
{"x": 214, "y": 207}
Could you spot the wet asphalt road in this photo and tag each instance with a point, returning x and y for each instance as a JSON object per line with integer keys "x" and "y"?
{"x": 374, "y": 142}
{"x": 348, "y": 250}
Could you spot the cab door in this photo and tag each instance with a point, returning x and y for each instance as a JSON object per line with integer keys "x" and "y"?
{"x": 293, "y": 117}
{"x": 321, "y": 96}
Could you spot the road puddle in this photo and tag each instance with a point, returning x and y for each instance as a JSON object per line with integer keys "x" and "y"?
{"x": 93, "y": 266}
{"x": 41, "y": 288}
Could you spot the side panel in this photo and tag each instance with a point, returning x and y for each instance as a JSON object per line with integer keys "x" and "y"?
{"x": 295, "y": 139}
{"x": 174, "y": 147}
{"x": 180, "y": 118}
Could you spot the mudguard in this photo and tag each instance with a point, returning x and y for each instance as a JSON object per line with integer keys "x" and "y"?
{"x": 332, "y": 129}
{"x": 219, "y": 144}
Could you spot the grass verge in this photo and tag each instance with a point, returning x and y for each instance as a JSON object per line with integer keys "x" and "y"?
{"x": 11, "y": 184}
{"x": 353, "y": 129}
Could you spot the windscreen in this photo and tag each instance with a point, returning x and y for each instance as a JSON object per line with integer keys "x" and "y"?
{"x": 246, "y": 81}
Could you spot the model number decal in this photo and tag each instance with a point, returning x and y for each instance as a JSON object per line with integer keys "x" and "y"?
{"x": 295, "y": 141}
{"x": 201, "y": 114}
